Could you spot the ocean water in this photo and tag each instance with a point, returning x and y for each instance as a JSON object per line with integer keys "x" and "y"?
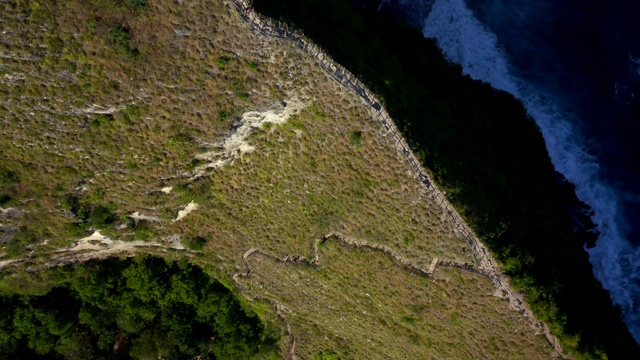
{"x": 575, "y": 65}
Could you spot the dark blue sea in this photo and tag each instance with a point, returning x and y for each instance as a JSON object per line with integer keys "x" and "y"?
{"x": 575, "y": 64}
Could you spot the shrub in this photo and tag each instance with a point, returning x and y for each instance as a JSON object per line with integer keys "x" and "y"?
{"x": 222, "y": 61}
{"x": 222, "y": 116}
{"x": 99, "y": 120}
{"x": 8, "y": 179}
{"x": 136, "y": 4}
{"x": 101, "y": 216}
{"x": 195, "y": 243}
{"x": 326, "y": 355}
{"x": 355, "y": 138}
{"x": 253, "y": 65}
{"x": 130, "y": 113}
{"x": 121, "y": 39}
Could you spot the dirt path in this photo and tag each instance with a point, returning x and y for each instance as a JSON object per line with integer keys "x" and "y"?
{"x": 502, "y": 289}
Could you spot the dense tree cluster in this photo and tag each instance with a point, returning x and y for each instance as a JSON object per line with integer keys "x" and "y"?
{"x": 143, "y": 308}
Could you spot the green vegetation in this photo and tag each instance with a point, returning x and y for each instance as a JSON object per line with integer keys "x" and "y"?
{"x": 196, "y": 243}
{"x": 91, "y": 137}
{"x": 136, "y": 4}
{"x": 121, "y": 39}
{"x": 355, "y": 137}
{"x": 489, "y": 156}
{"x": 118, "y": 309}
{"x": 222, "y": 61}
{"x": 253, "y": 65}
{"x": 222, "y": 116}
{"x": 8, "y": 179}
{"x": 326, "y": 355}
{"x": 89, "y": 211}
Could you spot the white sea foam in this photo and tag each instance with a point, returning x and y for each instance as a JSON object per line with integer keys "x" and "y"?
{"x": 466, "y": 41}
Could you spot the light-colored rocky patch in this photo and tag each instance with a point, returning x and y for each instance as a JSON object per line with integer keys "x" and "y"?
{"x": 97, "y": 241}
{"x": 9, "y": 214}
{"x": 99, "y": 247}
{"x": 138, "y": 216}
{"x": 236, "y": 145}
{"x": 189, "y": 208}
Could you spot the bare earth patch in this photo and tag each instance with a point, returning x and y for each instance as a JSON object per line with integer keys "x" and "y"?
{"x": 236, "y": 145}
{"x": 189, "y": 208}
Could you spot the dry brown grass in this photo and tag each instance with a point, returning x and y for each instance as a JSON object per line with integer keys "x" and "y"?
{"x": 307, "y": 177}
{"x": 360, "y": 305}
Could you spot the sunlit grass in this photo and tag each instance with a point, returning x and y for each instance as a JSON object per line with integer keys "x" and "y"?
{"x": 87, "y": 116}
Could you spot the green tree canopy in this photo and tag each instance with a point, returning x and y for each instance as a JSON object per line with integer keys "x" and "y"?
{"x": 136, "y": 308}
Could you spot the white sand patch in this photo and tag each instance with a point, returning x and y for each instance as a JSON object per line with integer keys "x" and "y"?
{"x": 189, "y": 208}
{"x": 167, "y": 189}
{"x": 236, "y": 145}
{"x": 138, "y": 216}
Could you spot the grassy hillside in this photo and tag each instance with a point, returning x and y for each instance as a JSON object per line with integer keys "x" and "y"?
{"x": 120, "y": 116}
{"x": 489, "y": 156}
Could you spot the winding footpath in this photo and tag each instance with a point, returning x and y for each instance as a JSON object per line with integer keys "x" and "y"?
{"x": 485, "y": 266}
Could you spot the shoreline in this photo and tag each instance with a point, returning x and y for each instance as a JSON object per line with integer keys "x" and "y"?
{"x": 486, "y": 262}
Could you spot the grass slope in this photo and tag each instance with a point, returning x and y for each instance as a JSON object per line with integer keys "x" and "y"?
{"x": 489, "y": 157}
{"x": 105, "y": 103}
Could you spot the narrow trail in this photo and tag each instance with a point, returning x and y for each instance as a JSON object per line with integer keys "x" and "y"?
{"x": 485, "y": 266}
{"x": 314, "y": 258}
{"x": 314, "y": 261}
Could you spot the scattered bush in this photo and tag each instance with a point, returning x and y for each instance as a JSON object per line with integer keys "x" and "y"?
{"x": 131, "y": 113}
{"x": 355, "y": 137}
{"x": 8, "y": 179}
{"x": 121, "y": 39}
{"x": 100, "y": 119}
{"x": 483, "y": 149}
{"x": 136, "y": 4}
{"x": 253, "y": 65}
{"x": 101, "y": 216}
{"x": 326, "y": 355}
{"x": 222, "y": 116}
{"x": 222, "y": 61}
{"x": 181, "y": 138}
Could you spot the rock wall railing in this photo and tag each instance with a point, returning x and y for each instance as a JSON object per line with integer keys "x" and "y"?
{"x": 271, "y": 28}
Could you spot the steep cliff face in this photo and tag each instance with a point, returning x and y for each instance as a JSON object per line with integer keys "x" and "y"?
{"x": 481, "y": 146}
